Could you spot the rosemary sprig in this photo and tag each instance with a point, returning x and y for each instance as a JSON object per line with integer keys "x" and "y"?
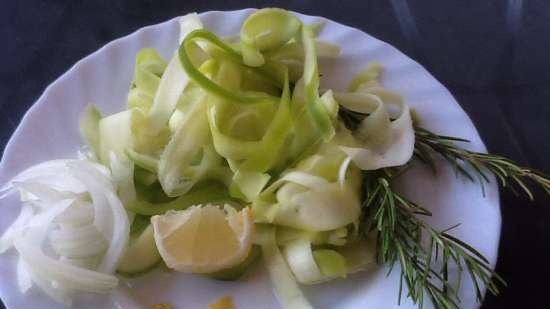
{"x": 508, "y": 173}
{"x": 425, "y": 254}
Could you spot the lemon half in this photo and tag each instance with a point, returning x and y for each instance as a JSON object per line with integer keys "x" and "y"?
{"x": 204, "y": 239}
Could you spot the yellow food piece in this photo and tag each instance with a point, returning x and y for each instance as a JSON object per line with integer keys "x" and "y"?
{"x": 162, "y": 306}
{"x": 205, "y": 239}
{"x": 224, "y": 302}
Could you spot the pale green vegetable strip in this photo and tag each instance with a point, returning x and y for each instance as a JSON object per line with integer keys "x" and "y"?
{"x": 300, "y": 260}
{"x": 138, "y": 98}
{"x": 143, "y": 142}
{"x": 316, "y": 266}
{"x": 115, "y": 135}
{"x": 306, "y": 136}
{"x": 178, "y": 170}
{"x": 186, "y": 143}
{"x": 89, "y": 127}
{"x": 312, "y": 115}
{"x": 270, "y": 28}
{"x": 173, "y": 82}
{"x": 229, "y": 54}
{"x": 320, "y": 194}
{"x": 141, "y": 254}
{"x": 381, "y": 142}
{"x": 146, "y": 162}
{"x": 249, "y": 184}
{"x": 326, "y": 162}
{"x": 330, "y": 104}
{"x": 264, "y": 30}
{"x": 261, "y": 155}
{"x": 148, "y": 69}
{"x": 297, "y": 177}
{"x": 311, "y": 86}
{"x": 207, "y": 192}
{"x": 189, "y": 96}
{"x": 144, "y": 177}
{"x": 325, "y": 208}
{"x": 342, "y": 172}
{"x": 337, "y": 237}
{"x": 251, "y": 55}
{"x": 358, "y": 101}
{"x": 286, "y": 289}
{"x": 294, "y": 52}
{"x": 360, "y": 255}
{"x": 274, "y": 138}
{"x": 307, "y": 269}
{"x": 228, "y": 146}
{"x": 122, "y": 170}
{"x": 256, "y": 156}
{"x": 189, "y": 23}
{"x": 331, "y": 263}
{"x": 371, "y": 73}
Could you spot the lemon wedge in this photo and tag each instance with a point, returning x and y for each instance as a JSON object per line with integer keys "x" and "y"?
{"x": 204, "y": 239}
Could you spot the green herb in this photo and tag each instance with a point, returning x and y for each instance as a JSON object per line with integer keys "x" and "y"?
{"x": 425, "y": 254}
{"x": 509, "y": 174}
{"x": 424, "y": 268}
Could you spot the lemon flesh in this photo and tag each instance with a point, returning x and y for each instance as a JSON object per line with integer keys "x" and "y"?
{"x": 203, "y": 240}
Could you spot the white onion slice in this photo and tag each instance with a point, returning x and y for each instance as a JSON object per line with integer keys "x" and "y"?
{"x": 69, "y": 206}
{"x": 110, "y": 210}
{"x": 65, "y": 275}
{"x": 6, "y": 241}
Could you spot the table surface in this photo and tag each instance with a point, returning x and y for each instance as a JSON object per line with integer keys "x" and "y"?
{"x": 492, "y": 55}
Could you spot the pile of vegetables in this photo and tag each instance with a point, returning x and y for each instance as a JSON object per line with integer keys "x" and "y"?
{"x": 242, "y": 122}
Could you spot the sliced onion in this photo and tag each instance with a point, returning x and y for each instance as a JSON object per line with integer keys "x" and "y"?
{"x": 110, "y": 210}
{"x": 42, "y": 192}
{"x": 87, "y": 237}
{"x": 51, "y": 173}
{"x": 84, "y": 233}
{"x": 80, "y": 249}
{"x": 6, "y": 241}
{"x": 60, "y": 295}
{"x": 80, "y": 213}
{"x": 65, "y": 275}
{"x": 39, "y": 225}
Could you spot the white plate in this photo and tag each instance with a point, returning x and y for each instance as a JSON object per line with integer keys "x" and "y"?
{"x": 49, "y": 130}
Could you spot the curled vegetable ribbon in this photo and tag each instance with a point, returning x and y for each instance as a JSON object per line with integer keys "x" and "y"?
{"x": 270, "y": 70}
{"x": 385, "y": 137}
